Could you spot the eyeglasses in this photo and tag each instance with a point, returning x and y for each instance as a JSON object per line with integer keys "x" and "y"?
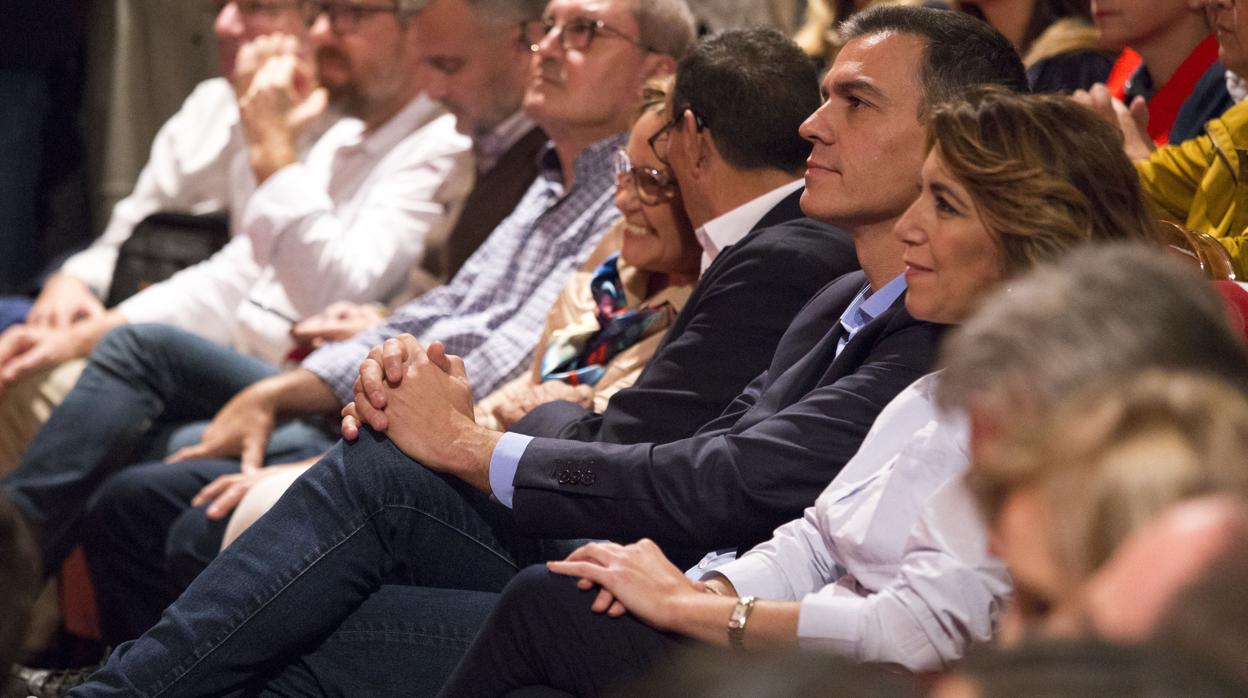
{"x": 577, "y": 35}
{"x": 652, "y": 186}
{"x": 253, "y": 8}
{"x": 661, "y": 138}
{"x": 344, "y": 17}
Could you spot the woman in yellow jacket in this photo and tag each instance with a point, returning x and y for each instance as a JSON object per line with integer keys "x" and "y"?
{"x": 1200, "y": 184}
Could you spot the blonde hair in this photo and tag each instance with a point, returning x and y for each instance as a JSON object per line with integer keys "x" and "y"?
{"x": 1045, "y": 173}
{"x": 654, "y": 95}
{"x": 1109, "y": 462}
{"x": 1067, "y": 35}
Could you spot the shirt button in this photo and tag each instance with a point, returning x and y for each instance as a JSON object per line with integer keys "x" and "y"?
{"x": 705, "y": 561}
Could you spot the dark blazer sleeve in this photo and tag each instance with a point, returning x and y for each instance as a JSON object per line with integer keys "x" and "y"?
{"x": 724, "y": 339}
{"x": 721, "y": 489}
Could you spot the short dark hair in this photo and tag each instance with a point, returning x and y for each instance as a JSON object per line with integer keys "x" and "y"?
{"x": 753, "y": 88}
{"x": 960, "y": 52}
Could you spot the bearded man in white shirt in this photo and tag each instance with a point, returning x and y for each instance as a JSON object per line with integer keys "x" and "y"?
{"x": 187, "y": 169}
{"x": 346, "y": 221}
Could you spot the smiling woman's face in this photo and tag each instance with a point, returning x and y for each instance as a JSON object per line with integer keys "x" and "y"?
{"x": 951, "y": 258}
{"x": 656, "y": 237}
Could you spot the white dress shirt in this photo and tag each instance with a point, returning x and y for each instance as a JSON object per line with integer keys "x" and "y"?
{"x": 891, "y": 564}
{"x": 1236, "y": 87}
{"x": 188, "y": 171}
{"x": 728, "y": 228}
{"x": 346, "y": 222}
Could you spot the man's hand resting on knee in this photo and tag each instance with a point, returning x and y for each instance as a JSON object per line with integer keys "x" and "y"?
{"x": 241, "y": 429}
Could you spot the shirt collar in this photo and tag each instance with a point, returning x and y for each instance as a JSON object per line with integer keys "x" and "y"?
{"x": 415, "y": 114}
{"x": 492, "y": 146}
{"x": 591, "y": 164}
{"x": 1236, "y": 86}
{"x": 868, "y": 305}
{"x": 728, "y": 228}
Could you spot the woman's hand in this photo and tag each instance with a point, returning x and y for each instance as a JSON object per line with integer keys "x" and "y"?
{"x": 635, "y": 578}
{"x": 518, "y": 401}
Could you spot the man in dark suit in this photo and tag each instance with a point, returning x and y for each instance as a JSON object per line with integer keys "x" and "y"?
{"x": 480, "y": 506}
{"x": 762, "y": 257}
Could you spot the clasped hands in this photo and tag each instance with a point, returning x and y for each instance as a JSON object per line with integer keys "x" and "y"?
{"x": 420, "y": 398}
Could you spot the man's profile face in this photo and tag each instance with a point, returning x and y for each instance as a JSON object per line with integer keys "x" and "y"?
{"x": 869, "y": 145}
{"x": 240, "y": 21}
{"x": 594, "y": 88}
{"x": 476, "y": 69}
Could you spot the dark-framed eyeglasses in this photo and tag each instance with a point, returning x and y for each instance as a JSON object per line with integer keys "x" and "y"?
{"x": 652, "y": 186}
{"x": 252, "y": 8}
{"x": 344, "y": 17}
{"x": 577, "y": 35}
{"x": 660, "y": 140}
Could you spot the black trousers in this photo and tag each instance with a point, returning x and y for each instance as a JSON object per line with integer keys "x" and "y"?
{"x": 145, "y": 543}
{"x": 543, "y": 633}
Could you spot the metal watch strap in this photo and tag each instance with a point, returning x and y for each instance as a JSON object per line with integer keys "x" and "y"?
{"x": 736, "y": 622}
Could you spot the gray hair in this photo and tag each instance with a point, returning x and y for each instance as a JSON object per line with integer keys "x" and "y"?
{"x": 406, "y": 9}
{"x": 665, "y": 27}
{"x": 507, "y": 11}
{"x": 1098, "y": 315}
{"x": 495, "y": 12}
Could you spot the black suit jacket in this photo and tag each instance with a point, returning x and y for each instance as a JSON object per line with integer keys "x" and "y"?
{"x": 724, "y": 337}
{"x": 756, "y": 466}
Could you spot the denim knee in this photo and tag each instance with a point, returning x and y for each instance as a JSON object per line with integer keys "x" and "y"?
{"x": 115, "y": 501}
{"x": 127, "y": 346}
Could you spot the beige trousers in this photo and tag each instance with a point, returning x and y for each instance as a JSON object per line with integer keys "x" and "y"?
{"x": 27, "y": 404}
{"x": 260, "y": 498}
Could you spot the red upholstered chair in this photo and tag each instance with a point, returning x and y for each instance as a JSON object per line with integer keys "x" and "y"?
{"x": 78, "y": 615}
{"x": 1201, "y": 250}
{"x": 1236, "y": 298}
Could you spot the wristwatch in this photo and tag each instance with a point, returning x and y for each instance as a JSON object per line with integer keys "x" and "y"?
{"x": 736, "y": 622}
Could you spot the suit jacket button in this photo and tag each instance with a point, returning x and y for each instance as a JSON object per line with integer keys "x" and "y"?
{"x": 564, "y": 477}
{"x": 587, "y": 478}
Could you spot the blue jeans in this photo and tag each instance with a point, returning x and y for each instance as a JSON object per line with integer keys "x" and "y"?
{"x": 365, "y": 516}
{"x": 141, "y": 381}
{"x": 403, "y": 641}
{"x": 13, "y": 309}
